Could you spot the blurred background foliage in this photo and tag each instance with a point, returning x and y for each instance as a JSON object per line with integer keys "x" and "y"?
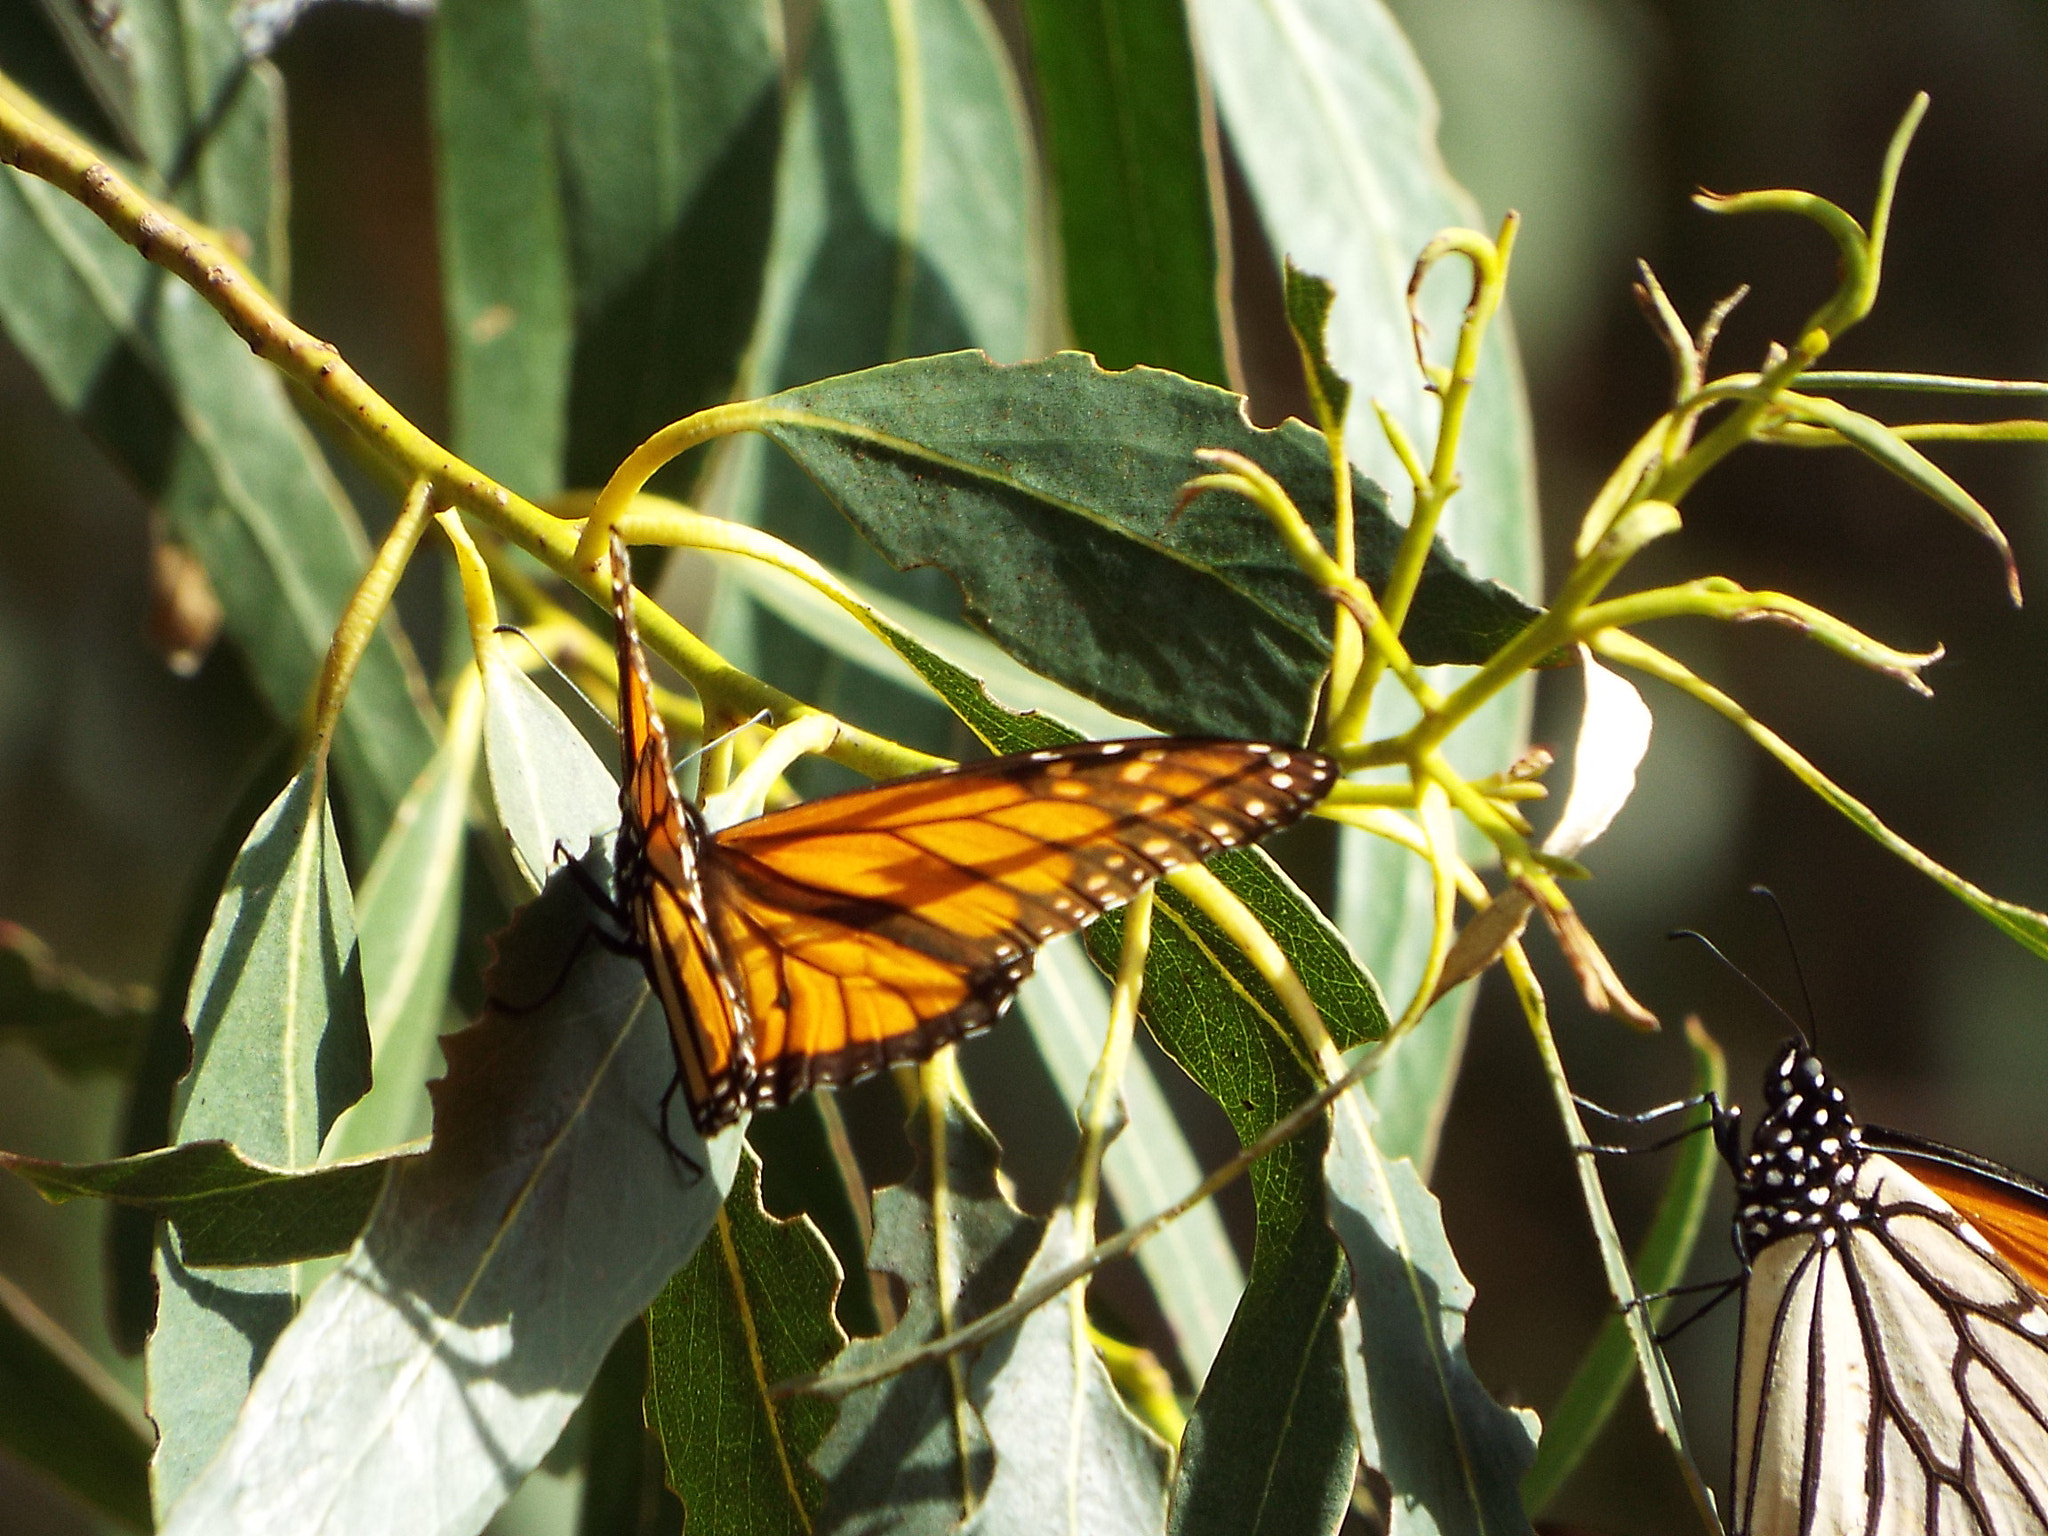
{"x": 1595, "y": 118}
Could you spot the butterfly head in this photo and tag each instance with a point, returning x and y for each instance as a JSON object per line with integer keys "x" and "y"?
{"x": 1800, "y": 1172}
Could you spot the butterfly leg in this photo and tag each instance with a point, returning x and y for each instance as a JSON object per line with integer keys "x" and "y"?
{"x": 675, "y": 1086}
{"x": 591, "y": 934}
{"x": 1722, "y": 1290}
{"x": 1641, "y": 1117}
{"x": 1719, "y": 1120}
{"x": 601, "y": 896}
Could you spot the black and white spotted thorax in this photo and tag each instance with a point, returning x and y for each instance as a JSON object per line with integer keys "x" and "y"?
{"x": 1800, "y": 1175}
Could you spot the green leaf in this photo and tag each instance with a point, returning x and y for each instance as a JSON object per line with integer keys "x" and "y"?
{"x": 632, "y": 147}
{"x": 808, "y": 1166}
{"x": 1069, "y": 1455}
{"x": 906, "y": 222}
{"x": 166, "y": 1055}
{"x": 1308, "y": 300}
{"x": 1334, "y": 126}
{"x": 1269, "y": 1445}
{"x": 1217, "y": 998}
{"x": 1335, "y": 129}
{"x": 280, "y": 1044}
{"x": 550, "y": 788}
{"x": 1047, "y": 491}
{"x": 1191, "y": 1266}
{"x": 508, "y": 302}
{"x": 908, "y": 1454}
{"x": 817, "y": 618}
{"x": 228, "y": 1209}
{"x": 752, "y": 1308}
{"x": 497, "y": 1271}
{"x": 408, "y": 914}
{"x": 61, "y": 1414}
{"x": 1124, "y": 132}
{"x": 1452, "y": 1456}
{"x": 279, "y": 1048}
{"x": 76, "y": 1023}
{"x": 1589, "y": 1399}
{"x": 667, "y": 119}
{"x": 204, "y": 429}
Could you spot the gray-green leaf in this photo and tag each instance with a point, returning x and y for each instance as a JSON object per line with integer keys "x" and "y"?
{"x": 496, "y": 1272}
{"x": 1452, "y": 1457}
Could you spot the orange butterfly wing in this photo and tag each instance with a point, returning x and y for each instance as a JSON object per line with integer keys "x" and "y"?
{"x": 661, "y": 895}
{"x": 2009, "y": 1209}
{"x": 818, "y": 944}
{"x": 877, "y": 926}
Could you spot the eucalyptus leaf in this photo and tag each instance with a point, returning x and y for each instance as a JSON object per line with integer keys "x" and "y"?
{"x": 906, "y": 221}
{"x": 228, "y": 1209}
{"x": 167, "y": 1053}
{"x": 909, "y": 1454}
{"x": 1269, "y": 1445}
{"x": 1132, "y": 173}
{"x": 810, "y": 613}
{"x": 634, "y": 148}
{"x": 550, "y": 788}
{"x": 1070, "y": 1456}
{"x": 752, "y": 1308}
{"x": 1191, "y": 1266}
{"x": 667, "y": 120}
{"x": 1049, "y": 492}
{"x": 1334, "y": 126}
{"x": 1206, "y": 980}
{"x": 280, "y": 1047}
{"x": 1661, "y": 1258}
{"x": 509, "y": 303}
{"x": 497, "y": 1270}
{"x": 409, "y": 911}
{"x": 1453, "y": 1458}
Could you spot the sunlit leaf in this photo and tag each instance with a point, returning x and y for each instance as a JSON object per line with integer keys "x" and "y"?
{"x": 1069, "y": 1455}
{"x": 752, "y": 1308}
{"x": 1452, "y": 1457}
{"x": 907, "y": 1454}
{"x": 497, "y": 1270}
{"x": 551, "y": 790}
{"x": 1049, "y": 492}
{"x": 906, "y": 221}
{"x": 408, "y": 913}
{"x": 280, "y": 1048}
{"x": 633, "y": 148}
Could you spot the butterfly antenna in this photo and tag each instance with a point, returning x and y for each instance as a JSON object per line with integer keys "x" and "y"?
{"x": 1747, "y": 980}
{"x": 1812, "y": 1030}
{"x": 597, "y": 716}
{"x": 756, "y": 718}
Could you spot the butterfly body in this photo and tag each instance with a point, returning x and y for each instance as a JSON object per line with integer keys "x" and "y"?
{"x": 1892, "y": 1374}
{"x": 815, "y": 945}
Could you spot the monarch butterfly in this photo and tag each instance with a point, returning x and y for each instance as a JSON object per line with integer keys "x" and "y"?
{"x": 821, "y": 943}
{"x": 1892, "y": 1370}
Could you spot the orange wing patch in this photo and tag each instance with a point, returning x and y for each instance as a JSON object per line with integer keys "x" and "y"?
{"x": 2011, "y": 1217}
{"x": 821, "y": 943}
